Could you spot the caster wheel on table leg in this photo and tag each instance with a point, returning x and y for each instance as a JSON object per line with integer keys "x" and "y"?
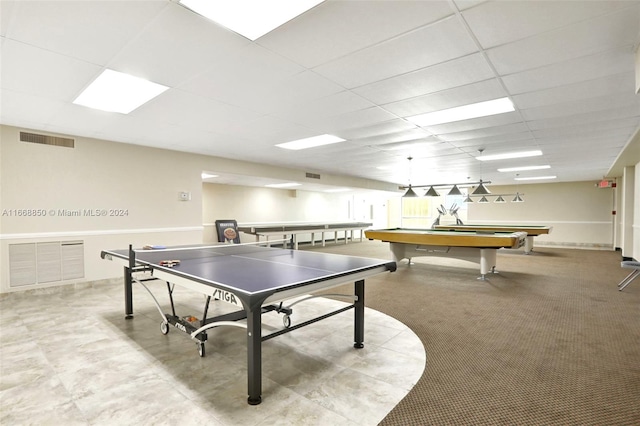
{"x": 286, "y": 320}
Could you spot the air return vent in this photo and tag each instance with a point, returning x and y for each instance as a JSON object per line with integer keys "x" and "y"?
{"x": 44, "y": 262}
{"x": 46, "y": 139}
{"x": 313, "y": 176}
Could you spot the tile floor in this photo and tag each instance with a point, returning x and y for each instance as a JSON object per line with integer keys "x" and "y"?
{"x": 69, "y": 357}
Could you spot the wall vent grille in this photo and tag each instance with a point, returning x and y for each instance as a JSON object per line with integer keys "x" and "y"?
{"x": 313, "y": 175}
{"x": 45, "y": 262}
{"x": 47, "y": 140}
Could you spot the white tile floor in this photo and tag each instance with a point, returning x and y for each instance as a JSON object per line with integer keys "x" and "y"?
{"x": 69, "y": 357}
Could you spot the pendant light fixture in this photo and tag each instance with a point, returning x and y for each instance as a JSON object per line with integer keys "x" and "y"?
{"x": 432, "y": 192}
{"x": 410, "y": 192}
{"x": 455, "y": 191}
{"x": 517, "y": 198}
{"x": 481, "y": 189}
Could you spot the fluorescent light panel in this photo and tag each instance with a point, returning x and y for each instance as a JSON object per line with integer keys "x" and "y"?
{"x": 524, "y": 168}
{"x": 115, "y": 91}
{"x": 283, "y": 185}
{"x": 536, "y": 178}
{"x": 509, "y": 155}
{"x": 465, "y": 112}
{"x": 337, "y": 190}
{"x": 208, "y": 176}
{"x": 310, "y": 142}
{"x": 250, "y": 18}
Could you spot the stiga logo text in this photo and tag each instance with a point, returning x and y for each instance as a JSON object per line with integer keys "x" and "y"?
{"x": 226, "y": 296}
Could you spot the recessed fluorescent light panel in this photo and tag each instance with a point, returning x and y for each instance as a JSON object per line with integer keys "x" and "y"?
{"x": 465, "y": 112}
{"x": 250, "y": 18}
{"x": 536, "y": 178}
{"x": 115, "y": 91}
{"x": 208, "y": 176}
{"x": 509, "y": 155}
{"x": 283, "y": 185}
{"x": 337, "y": 190}
{"x": 524, "y": 168}
{"x": 311, "y": 142}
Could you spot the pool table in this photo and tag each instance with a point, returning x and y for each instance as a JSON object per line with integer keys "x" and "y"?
{"x": 531, "y": 230}
{"x": 474, "y": 246}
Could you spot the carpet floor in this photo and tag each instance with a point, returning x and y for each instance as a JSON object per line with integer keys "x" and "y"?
{"x": 549, "y": 340}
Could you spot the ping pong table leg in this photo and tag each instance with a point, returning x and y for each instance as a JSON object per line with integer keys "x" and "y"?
{"x": 128, "y": 294}
{"x": 254, "y": 355}
{"x": 358, "y": 330}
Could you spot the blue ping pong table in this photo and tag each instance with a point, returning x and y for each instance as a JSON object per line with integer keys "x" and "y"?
{"x": 256, "y": 279}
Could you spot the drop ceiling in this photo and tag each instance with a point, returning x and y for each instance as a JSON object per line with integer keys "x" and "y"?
{"x": 354, "y": 69}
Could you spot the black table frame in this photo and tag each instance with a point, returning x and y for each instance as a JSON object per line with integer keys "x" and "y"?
{"x": 253, "y": 310}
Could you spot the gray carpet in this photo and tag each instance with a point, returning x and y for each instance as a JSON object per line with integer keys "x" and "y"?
{"x": 547, "y": 341}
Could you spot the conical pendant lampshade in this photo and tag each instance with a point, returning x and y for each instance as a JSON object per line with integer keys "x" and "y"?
{"x": 455, "y": 191}
{"x": 481, "y": 190}
{"x": 410, "y": 193}
{"x": 432, "y": 192}
{"x": 517, "y": 199}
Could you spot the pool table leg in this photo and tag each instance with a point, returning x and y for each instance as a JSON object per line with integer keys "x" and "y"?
{"x": 528, "y": 244}
{"x": 399, "y": 251}
{"x": 487, "y": 262}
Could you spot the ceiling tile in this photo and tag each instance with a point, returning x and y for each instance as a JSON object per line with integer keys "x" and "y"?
{"x": 608, "y": 85}
{"x": 178, "y": 37}
{"x": 427, "y": 46}
{"x": 400, "y": 136}
{"x": 92, "y": 31}
{"x": 573, "y": 71}
{"x": 351, "y": 120}
{"x": 448, "y": 98}
{"x": 476, "y": 123}
{"x": 16, "y": 108}
{"x": 391, "y": 126}
{"x": 458, "y": 72}
{"x": 583, "y": 106}
{"x": 615, "y": 30}
{"x": 188, "y": 110}
{"x": 321, "y": 108}
{"x": 319, "y": 36}
{"x": 353, "y": 68}
{"x": 485, "y": 132}
{"x": 498, "y": 23}
{"x": 40, "y": 72}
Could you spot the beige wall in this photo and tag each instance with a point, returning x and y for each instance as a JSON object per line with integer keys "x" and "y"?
{"x": 253, "y": 204}
{"x": 69, "y": 187}
{"x": 145, "y": 182}
{"x": 579, "y": 212}
{"x": 134, "y": 190}
{"x": 635, "y": 201}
